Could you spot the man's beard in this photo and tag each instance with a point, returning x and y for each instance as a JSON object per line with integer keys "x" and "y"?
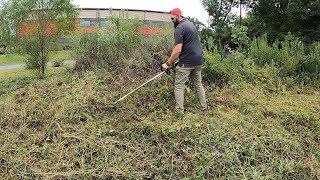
{"x": 175, "y": 24}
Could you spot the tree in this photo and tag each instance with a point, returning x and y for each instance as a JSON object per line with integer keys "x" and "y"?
{"x": 34, "y": 27}
{"x": 300, "y": 17}
{"x": 221, "y": 17}
{"x": 255, "y": 28}
{"x": 239, "y": 36}
{"x": 206, "y": 38}
{"x": 198, "y": 24}
{"x": 205, "y": 34}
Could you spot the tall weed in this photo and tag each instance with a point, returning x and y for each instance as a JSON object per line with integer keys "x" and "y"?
{"x": 121, "y": 44}
{"x": 216, "y": 70}
{"x": 291, "y": 53}
{"x": 110, "y": 46}
{"x": 155, "y": 49}
{"x": 289, "y": 58}
{"x": 310, "y": 67}
{"x": 262, "y": 53}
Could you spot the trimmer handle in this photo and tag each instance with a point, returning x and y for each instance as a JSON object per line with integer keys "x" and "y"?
{"x": 168, "y": 71}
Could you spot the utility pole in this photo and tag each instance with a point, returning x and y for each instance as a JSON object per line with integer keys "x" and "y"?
{"x": 240, "y": 13}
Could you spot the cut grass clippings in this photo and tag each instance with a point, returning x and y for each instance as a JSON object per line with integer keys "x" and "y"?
{"x": 62, "y": 128}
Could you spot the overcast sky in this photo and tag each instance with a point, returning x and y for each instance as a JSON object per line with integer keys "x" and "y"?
{"x": 192, "y": 8}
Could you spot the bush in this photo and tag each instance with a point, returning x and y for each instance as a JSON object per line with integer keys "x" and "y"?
{"x": 159, "y": 46}
{"x": 262, "y": 53}
{"x": 121, "y": 44}
{"x": 311, "y": 64}
{"x": 35, "y": 59}
{"x": 153, "y": 51}
{"x": 268, "y": 77}
{"x": 2, "y": 48}
{"x": 289, "y": 59}
{"x": 221, "y": 71}
{"x": 249, "y": 70}
{"x": 110, "y": 46}
{"x": 239, "y": 36}
{"x": 237, "y": 68}
{"x": 291, "y": 53}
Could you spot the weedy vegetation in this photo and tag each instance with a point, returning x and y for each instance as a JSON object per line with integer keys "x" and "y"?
{"x": 264, "y": 122}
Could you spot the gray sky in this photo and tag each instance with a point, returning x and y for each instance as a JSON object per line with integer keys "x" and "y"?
{"x": 192, "y": 8}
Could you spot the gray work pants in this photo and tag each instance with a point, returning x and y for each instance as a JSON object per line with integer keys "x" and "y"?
{"x": 182, "y": 75}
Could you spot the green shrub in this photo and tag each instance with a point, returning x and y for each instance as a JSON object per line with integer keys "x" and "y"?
{"x": 110, "y": 46}
{"x": 239, "y": 36}
{"x": 291, "y": 53}
{"x": 289, "y": 60}
{"x": 310, "y": 66}
{"x": 269, "y": 76}
{"x": 159, "y": 46}
{"x": 237, "y": 69}
{"x": 262, "y": 53}
{"x": 249, "y": 70}
{"x": 35, "y": 59}
{"x": 153, "y": 51}
{"x": 221, "y": 71}
{"x": 121, "y": 44}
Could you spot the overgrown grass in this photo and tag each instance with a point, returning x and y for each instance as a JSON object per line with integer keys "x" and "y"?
{"x": 12, "y": 80}
{"x": 7, "y": 59}
{"x": 260, "y": 126}
{"x": 64, "y": 127}
{"x": 61, "y": 55}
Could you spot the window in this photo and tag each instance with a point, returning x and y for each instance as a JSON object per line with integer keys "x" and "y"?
{"x": 103, "y": 22}
{"x": 86, "y": 22}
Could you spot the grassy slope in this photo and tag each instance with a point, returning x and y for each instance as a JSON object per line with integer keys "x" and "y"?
{"x": 8, "y": 59}
{"x": 65, "y": 127}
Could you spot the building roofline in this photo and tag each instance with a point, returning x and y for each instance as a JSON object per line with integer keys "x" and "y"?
{"x": 119, "y": 9}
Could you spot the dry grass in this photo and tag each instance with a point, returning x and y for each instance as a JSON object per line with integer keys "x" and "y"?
{"x": 62, "y": 128}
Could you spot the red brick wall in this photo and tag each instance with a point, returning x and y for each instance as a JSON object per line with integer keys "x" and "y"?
{"x": 28, "y": 27}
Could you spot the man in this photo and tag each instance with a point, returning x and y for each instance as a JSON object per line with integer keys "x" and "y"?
{"x": 189, "y": 51}
{"x": 226, "y": 50}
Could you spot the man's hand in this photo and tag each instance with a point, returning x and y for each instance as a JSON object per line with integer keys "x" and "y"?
{"x": 174, "y": 56}
{"x": 164, "y": 66}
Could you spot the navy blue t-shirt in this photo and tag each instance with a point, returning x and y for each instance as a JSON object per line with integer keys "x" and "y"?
{"x": 187, "y": 35}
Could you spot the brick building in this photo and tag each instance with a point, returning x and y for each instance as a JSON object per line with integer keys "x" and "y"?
{"x": 152, "y": 22}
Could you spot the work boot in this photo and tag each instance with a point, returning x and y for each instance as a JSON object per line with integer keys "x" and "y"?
{"x": 205, "y": 108}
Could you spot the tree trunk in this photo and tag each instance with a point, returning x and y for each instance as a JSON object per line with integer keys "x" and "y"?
{"x": 240, "y": 13}
{"x": 42, "y": 57}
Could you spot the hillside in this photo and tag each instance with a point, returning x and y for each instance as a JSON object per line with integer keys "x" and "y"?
{"x": 64, "y": 127}
{"x": 261, "y": 74}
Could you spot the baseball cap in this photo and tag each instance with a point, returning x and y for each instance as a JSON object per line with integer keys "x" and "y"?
{"x": 176, "y": 11}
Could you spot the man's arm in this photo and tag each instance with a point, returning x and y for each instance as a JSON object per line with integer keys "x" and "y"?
{"x": 174, "y": 55}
